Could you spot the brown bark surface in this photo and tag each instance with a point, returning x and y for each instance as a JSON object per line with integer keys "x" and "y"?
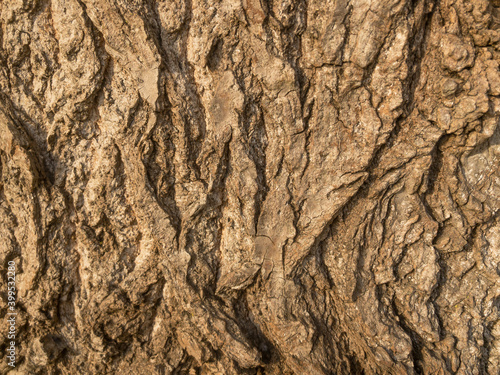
{"x": 251, "y": 187}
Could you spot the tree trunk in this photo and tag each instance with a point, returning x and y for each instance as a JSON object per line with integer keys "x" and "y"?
{"x": 250, "y": 187}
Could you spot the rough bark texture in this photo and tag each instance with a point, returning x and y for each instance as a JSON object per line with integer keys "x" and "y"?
{"x": 251, "y": 187}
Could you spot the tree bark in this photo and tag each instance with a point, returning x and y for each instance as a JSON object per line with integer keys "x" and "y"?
{"x": 250, "y": 187}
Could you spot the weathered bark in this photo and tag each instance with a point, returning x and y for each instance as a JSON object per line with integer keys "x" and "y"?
{"x": 254, "y": 187}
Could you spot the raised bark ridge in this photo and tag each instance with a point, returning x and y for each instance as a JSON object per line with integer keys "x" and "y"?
{"x": 254, "y": 187}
